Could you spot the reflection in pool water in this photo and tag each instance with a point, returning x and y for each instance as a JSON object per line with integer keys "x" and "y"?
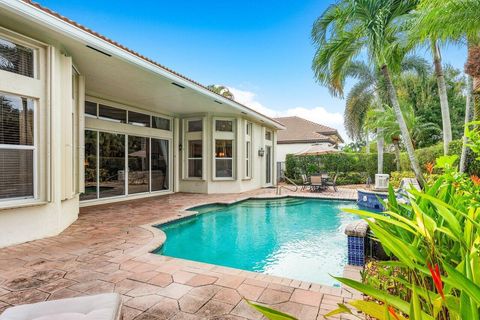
{"x": 291, "y": 237}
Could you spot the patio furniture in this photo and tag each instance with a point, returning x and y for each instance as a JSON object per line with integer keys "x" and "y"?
{"x": 305, "y": 181}
{"x": 98, "y": 307}
{"x": 332, "y": 183}
{"x": 316, "y": 183}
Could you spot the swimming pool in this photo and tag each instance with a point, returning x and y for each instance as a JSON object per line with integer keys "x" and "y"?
{"x": 297, "y": 238}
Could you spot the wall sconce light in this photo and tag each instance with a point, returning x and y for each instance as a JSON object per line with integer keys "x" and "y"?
{"x": 180, "y": 147}
{"x": 261, "y": 152}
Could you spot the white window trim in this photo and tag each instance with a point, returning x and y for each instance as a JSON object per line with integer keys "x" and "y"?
{"x": 189, "y": 136}
{"x": 224, "y": 135}
{"x": 247, "y": 161}
{"x": 35, "y": 88}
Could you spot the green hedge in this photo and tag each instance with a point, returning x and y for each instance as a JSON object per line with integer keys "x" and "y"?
{"x": 429, "y": 154}
{"x": 353, "y": 168}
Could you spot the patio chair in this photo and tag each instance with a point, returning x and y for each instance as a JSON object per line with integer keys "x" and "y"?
{"x": 97, "y": 307}
{"x": 305, "y": 181}
{"x": 332, "y": 183}
{"x": 316, "y": 183}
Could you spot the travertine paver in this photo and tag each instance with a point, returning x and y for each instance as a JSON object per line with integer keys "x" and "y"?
{"x": 107, "y": 250}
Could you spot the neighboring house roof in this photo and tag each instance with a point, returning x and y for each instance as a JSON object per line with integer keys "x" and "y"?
{"x": 120, "y": 46}
{"x": 300, "y": 130}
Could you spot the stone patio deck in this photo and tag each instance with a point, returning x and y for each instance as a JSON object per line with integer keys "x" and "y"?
{"x": 107, "y": 250}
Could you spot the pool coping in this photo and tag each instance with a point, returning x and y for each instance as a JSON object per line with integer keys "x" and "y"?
{"x": 159, "y": 237}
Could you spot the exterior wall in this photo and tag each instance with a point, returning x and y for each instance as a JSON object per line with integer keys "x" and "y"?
{"x": 57, "y": 126}
{"x": 287, "y": 148}
{"x": 239, "y": 183}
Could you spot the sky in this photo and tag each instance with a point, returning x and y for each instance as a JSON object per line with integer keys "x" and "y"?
{"x": 261, "y": 50}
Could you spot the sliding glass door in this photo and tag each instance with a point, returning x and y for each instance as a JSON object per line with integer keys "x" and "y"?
{"x": 108, "y": 155}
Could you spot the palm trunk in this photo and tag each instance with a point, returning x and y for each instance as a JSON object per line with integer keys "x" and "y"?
{"x": 397, "y": 152}
{"x": 367, "y": 144}
{"x": 442, "y": 92}
{"x": 407, "y": 140}
{"x": 380, "y": 147}
{"x": 468, "y": 112}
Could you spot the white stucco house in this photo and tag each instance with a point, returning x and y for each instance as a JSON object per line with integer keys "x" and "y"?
{"x": 300, "y": 134}
{"x": 86, "y": 121}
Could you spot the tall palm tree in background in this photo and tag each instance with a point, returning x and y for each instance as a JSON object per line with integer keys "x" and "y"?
{"x": 221, "y": 90}
{"x": 375, "y": 28}
{"x": 368, "y": 93}
{"x": 453, "y": 20}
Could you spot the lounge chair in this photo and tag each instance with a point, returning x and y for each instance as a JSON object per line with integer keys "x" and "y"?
{"x": 97, "y": 307}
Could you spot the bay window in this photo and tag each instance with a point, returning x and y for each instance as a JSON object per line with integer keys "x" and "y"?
{"x": 223, "y": 141}
{"x": 194, "y": 148}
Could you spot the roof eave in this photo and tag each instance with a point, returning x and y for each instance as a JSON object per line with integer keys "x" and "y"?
{"x": 49, "y": 19}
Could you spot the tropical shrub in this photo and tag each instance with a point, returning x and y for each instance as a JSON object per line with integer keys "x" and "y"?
{"x": 396, "y": 177}
{"x": 352, "y": 167}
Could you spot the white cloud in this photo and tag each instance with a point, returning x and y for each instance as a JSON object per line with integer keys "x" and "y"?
{"x": 316, "y": 114}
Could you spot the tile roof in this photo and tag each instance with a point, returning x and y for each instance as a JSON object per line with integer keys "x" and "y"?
{"x": 98, "y": 35}
{"x": 302, "y": 130}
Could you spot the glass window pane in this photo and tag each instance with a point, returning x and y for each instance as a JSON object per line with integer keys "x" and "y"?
{"x": 160, "y": 165}
{"x": 16, "y": 120}
{"x": 223, "y": 148}
{"x": 16, "y": 58}
{"x": 110, "y": 113}
{"x": 138, "y": 165}
{"x": 16, "y": 173}
{"x": 161, "y": 123}
{"x": 112, "y": 164}
{"x": 224, "y": 125}
{"x": 249, "y": 128}
{"x": 195, "y": 125}
{"x": 268, "y": 135}
{"x": 138, "y": 119}
{"x": 223, "y": 168}
{"x": 195, "y": 149}
{"x": 195, "y": 168}
{"x": 91, "y": 108}
{"x": 90, "y": 164}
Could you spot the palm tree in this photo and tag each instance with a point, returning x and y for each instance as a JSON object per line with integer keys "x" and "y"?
{"x": 221, "y": 90}
{"x": 353, "y": 28}
{"x": 369, "y": 93}
{"x": 385, "y": 118}
{"x": 453, "y": 20}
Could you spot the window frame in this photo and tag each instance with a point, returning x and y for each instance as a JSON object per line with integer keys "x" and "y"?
{"x": 247, "y": 161}
{"x": 192, "y": 136}
{"x": 224, "y": 135}
{"x": 93, "y": 123}
{"x": 35, "y": 88}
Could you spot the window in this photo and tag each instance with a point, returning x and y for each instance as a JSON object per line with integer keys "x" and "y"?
{"x": 91, "y": 108}
{"x": 223, "y": 158}
{"x": 195, "y": 125}
{"x": 90, "y": 165}
{"x": 195, "y": 158}
{"x": 16, "y": 58}
{"x": 248, "y": 150}
{"x": 138, "y": 119}
{"x": 138, "y": 164}
{"x": 160, "y": 123}
{"x": 113, "y": 114}
{"x": 268, "y": 135}
{"x": 17, "y": 147}
{"x": 224, "y": 125}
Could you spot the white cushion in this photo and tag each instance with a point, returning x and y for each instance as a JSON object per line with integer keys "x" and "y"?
{"x": 98, "y": 307}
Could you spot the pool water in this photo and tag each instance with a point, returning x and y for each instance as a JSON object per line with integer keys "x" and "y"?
{"x": 291, "y": 237}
